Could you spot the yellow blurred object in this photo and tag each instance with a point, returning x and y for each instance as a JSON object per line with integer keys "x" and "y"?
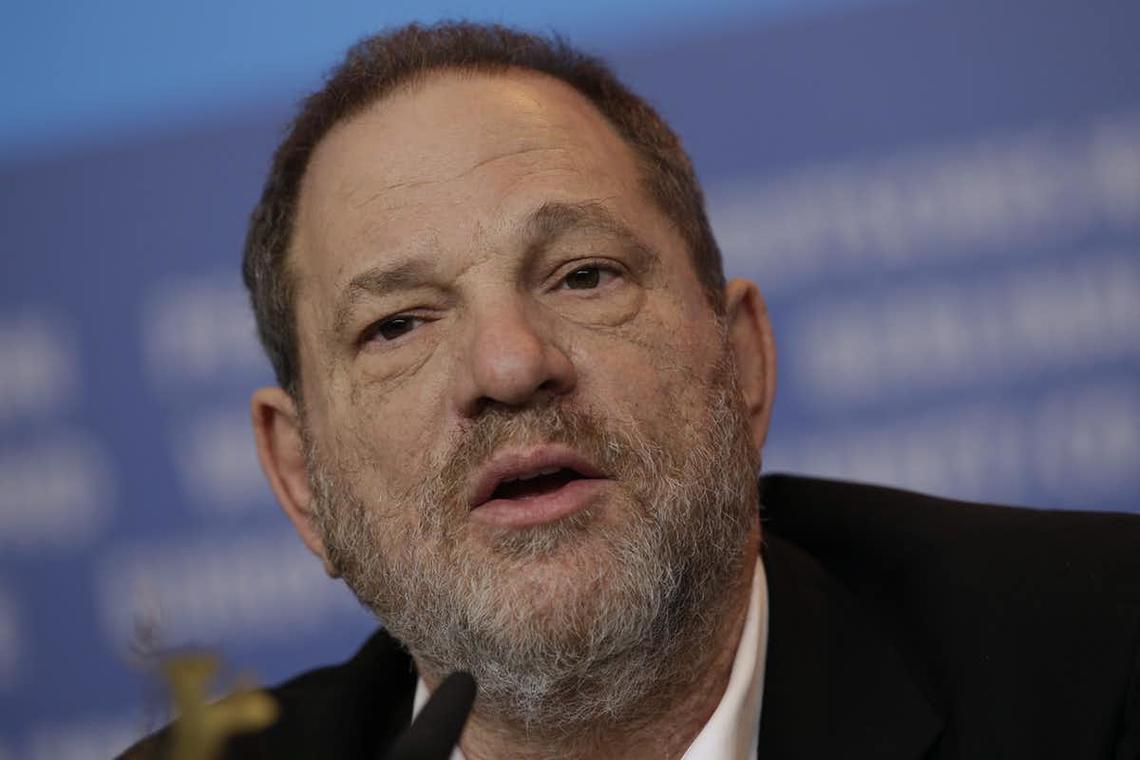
{"x": 202, "y": 728}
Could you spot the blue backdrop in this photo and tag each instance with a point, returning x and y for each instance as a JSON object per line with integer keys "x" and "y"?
{"x": 940, "y": 200}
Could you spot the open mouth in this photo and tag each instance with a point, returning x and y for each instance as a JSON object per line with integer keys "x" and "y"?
{"x": 545, "y": 481}
{"x": 520, "y": 488}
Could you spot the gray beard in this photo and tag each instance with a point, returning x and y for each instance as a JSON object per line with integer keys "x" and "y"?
{"x": 580, "y": 624}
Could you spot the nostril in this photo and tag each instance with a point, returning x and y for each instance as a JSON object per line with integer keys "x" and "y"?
{"x": 550, "y": 385}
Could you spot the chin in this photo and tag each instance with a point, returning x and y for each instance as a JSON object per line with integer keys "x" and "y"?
{"x": 549, "y": 567}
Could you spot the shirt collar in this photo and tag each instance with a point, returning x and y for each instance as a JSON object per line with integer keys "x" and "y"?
{"x": 734, "y": 728}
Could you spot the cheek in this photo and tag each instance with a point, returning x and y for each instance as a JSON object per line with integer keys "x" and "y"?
{"x": 391, "y": 372}
{"x": 612, "y": 307}
{"x": 383, "y": 435}
{"x": 680, "y": 340}
{"x": 657, "y": 367}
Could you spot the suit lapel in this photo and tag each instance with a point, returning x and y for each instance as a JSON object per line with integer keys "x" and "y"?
{"x": 833, "y": 686}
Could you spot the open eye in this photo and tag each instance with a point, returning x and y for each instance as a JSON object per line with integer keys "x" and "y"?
{"x": 587, "y": 277}
{"x": 392, "y": 327}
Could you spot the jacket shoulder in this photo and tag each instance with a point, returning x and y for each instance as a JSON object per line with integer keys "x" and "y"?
{"x": 878, "y": 530}
{"x": 1025, "y": 622}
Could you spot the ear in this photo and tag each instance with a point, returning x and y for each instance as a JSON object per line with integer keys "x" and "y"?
{"x": 750, "y": 334}
{"x": 277, "y": 430}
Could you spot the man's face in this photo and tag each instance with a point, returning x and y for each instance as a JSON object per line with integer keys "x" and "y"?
{"x": 523, "y": 427}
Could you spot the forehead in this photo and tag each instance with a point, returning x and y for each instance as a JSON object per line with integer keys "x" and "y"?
{"x": 454, "y": 158}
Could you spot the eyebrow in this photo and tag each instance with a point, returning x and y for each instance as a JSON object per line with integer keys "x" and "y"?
{"x": 378, "y": 281}
{"x": 542, "y": 228}
{"x": 554, "y": 219}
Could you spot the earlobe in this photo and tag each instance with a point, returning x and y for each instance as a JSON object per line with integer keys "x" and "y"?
{"x": 277, "y": 431}
{"x": 754, "y": 347}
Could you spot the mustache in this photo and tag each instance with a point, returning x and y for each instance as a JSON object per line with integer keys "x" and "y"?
{"x": 612, "y": 451}
{"x": 438, "y": 496}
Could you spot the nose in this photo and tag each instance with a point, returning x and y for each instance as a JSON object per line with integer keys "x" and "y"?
{"x": 510, "y": 359}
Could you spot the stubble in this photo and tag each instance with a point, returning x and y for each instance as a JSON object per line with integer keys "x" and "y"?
{"x": 586, "y": 622}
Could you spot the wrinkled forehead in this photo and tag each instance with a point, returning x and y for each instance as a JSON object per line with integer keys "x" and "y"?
{"x": 456, "y": 152}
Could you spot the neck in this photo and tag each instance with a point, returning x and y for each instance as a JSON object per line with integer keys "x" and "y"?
{"x": 667, "y": 720}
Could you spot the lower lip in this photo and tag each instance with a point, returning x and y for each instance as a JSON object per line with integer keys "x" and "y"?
{"x": 537, "y": 510}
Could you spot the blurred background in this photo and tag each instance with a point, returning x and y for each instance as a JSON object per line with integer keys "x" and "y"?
{"x": 940, "y": 200}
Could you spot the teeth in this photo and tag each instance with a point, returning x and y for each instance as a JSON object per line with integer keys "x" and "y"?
{"x": 533, "y": 475}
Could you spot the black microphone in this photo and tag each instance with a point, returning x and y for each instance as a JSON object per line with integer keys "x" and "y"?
{"x": 435, "y": 731}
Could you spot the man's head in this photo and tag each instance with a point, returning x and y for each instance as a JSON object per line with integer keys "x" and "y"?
{"x": 531, "y": 413}
{"x": 383, "y": 64}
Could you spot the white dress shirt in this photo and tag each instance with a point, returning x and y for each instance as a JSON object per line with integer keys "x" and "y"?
{"x": 733, "y": 730}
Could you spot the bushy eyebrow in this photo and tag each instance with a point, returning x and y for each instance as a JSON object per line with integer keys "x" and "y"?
{"x": 541, "y": 229}
{"x": 378, "y": 281}
{"x": 554, "y": 219}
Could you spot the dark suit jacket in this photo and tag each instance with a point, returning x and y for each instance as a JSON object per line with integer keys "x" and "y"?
{"x": 901, "y": 626}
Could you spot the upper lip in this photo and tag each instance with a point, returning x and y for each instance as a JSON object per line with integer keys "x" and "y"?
{"x": 513, "y": 463}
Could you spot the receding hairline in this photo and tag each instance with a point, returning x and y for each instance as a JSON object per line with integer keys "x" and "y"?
{"x": 421, "y": 80}
{"x": 415, "y": 83}
{"x": 391, "y": 62}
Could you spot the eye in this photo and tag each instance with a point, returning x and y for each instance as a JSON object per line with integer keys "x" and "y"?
{"x": 587, "y": 277}
{"x": 392, "y": 327}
